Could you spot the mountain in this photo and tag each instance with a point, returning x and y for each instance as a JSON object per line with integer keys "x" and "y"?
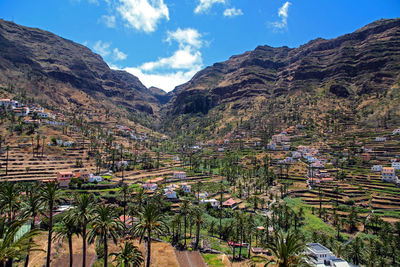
{"x": 349, "y": 75}
{"x": 62, "y": 74}
{"x": 160, "y": 94}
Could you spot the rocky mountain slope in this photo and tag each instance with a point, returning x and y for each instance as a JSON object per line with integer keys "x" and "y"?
{"x": 342, "y": 74}
{"x": 64, "y": 74}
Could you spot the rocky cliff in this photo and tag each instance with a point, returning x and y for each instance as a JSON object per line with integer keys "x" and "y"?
{"x": 66, "y": 74}
{"x": 363, "y": 62}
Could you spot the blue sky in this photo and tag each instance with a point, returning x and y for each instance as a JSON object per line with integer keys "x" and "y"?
{"x": 165, "y": 42}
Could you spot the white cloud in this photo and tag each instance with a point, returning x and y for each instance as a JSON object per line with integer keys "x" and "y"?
{"x": 185, "y": 37}
{"x": 102, "y": 48}
{"x": 283, "y": 14}
{"x": 168, "y": 72}
{"x": 233, "y": 12}
{"x": 109, "y": 21}
{"x": 118, "y": 55}
{"x": 205, "y": 5}
{"x": 164, "y": 80}
{"x": 143, "y": 15}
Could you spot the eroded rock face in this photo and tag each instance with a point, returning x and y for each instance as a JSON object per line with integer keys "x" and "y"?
{"x": 33, "y": 58}
{"x": 367, "y": 61}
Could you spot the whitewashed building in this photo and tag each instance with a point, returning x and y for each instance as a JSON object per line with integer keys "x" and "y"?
{"x": 376, "y": 168}
{"x": 179, "y": 175}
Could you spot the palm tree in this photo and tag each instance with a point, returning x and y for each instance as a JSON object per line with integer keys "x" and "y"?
{"x": 184, "y": 210}
{"x": 129, "y": 256}
{"x": 288, "y": 250}
{"x": 105, "y": 224}
{"x": 11, "y": 246}
{"x": 9, "y": 198}
{"x": 83, "y": 213}
{"x": 125, "y": 191}
{"x": 66, "y": 229}
{"x": 32, "y": 206}
{"x": 198, "y": 220}
{"x": 50, "y": 194}
{"x": 151, "y": 220}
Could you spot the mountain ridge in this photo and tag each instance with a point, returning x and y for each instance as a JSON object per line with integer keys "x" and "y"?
{"x": 57, "y": 69}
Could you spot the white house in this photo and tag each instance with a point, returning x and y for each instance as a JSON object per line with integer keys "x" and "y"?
{"x": 203, "y": 195}
{"x": 221, "y": 149}
{"x": 214, "y": 203}
{"x": 380, "y": 139}
{"x": 376, "y": 168}
{"x": 322, "y": 254}
{"x": 389, "y": 175}
{"x": 179, "y": 175}
{"x": 176, "y": 158}
{"x": 272, "y": 146}
{"x": 396, "y": 165}
{"x": 186, "y": 188}
{"x": 21, "y": 112}
{"x": 151, "y": 187}
{"x": 93, "y": 178}
{"x": 170, "y": 194}
{"x": 397, "y": 131}
{"x": 8, "y": 103}
{"x": 296, "y": 154}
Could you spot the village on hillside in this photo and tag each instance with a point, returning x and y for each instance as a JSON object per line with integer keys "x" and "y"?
{"x": 223, "y": 199}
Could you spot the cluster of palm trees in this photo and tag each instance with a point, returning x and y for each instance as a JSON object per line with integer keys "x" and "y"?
{"x": 21, "y": 205}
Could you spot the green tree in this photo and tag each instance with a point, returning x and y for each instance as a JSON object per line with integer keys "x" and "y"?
{"x": 66, "y": 229}
{"x": 105, "y": 225}
{"x": 12, "y": 247}
{"x": 151, "y": 221}
{"x": 9, "y": 198}
{"x": 129, "y": 256}
{"x": 83, "y": 214}
{"x": 198, "y": 220}
{"x": 32, "y": 205}
{"x": 50, "y": 194}
{"x": 288, "y": 251}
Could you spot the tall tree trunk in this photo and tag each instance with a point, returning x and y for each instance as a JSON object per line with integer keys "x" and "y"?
{"x": 7, "y": 162}
{"x": 84, "y": 244}
{"x": 148, "y": 248}
{"x": 197, "y": 236}
{"x": 105, "y": 251}
{"x": 184, "y": 233}
{"x": 50, "y": 234}
{"x": 70, "y": 251}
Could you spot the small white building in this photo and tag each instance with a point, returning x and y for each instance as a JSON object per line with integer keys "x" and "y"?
{"x": 380, "y": 139}
{"x": 377, "y": 168}
{"x": 396, "y": 165}
{"x": 271, "y": 146}
{"x": 389, "y": 175}
{"x": 170, "y": 194}
{"x": 186, "y": 188}
{"x": 214, "y": 203}
{"x": 202, "y": 195}
{"x": 151, "y": 187}
{"x": 93, "y": 178}
{"x": 21, "y": 112}
{"x": 179, "y": 175}
{"x": 322, "y": 254}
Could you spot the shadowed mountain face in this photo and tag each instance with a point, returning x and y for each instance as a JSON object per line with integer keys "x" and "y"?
{"x": 364, "y": 62}
{"x": 352, "y": 79}
{"x": 64, "y": 73}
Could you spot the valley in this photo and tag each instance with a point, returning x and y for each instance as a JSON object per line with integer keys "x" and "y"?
{"x": 276, "y": 144}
